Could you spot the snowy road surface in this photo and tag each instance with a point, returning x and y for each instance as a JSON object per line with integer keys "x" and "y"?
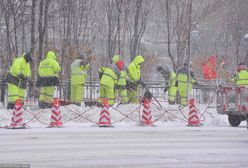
{"x": 126, "y": 146}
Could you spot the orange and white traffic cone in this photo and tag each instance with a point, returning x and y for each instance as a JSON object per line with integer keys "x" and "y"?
{"x": 193, "y": 119}
{"x": 17, "y": 120}
{"x": 105, "y": 120}
{"x": 56, "y": 115}
{"x": 146, "y": 117}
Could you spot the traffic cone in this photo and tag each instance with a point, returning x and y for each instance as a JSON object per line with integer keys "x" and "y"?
{"x": 146, "y": 118}
{"x": 193, "y": 119}
{"x": 56, "y": 115}
{"x": 105, "y": 120}
{"x": 17, "y": 120}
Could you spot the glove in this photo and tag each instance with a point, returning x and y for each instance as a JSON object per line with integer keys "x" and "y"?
{"x": 30, "y": 82}
{"x": 100, "y": 75}
{"x": 176, "y": 84}
{"x": 128, "y": 85}
{"x": 83, "y": 63}
{"x": 117, "y": 86}
{"x": 141, "y": 83}
{"x": 165, "y": 89}
{"x": 22, "y": 77}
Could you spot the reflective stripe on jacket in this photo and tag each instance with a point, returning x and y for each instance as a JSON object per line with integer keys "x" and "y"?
{"x": 109, "y": 76}
{"x": 20, "y": 66}
{"x": 241, "y": 78}
{"x": 122, "y": 81}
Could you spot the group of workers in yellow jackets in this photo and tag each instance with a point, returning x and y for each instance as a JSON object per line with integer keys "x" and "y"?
{"x": 120, "y": 80}
{"x": 117, "y": 80}
{"x": 179, "y": 83}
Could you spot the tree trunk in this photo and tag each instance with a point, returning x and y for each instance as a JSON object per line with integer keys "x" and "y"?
{"x": 40, "y": 29}
{"x": 32, "y": 35}
{"x": 45, "y": 32}
{"x": 136, "y": 24}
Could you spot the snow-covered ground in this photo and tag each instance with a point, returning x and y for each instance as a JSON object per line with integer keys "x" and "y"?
{"x": 80, "y": 143}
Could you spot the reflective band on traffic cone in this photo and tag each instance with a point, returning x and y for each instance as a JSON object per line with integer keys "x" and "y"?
{"x": 193, "y": 119}
{"x": 17, "y": 120}
{"x": 56, "y": 115}
{"x": 146, "y": 118}
{"x": 105, "y": 120}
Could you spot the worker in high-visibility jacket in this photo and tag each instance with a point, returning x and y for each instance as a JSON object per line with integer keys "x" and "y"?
{"x": 120, "y": 89}
{"x": 48, "y": 72}
{"x": 78, "y": 77}
{"x": 182, "y": 82}
{"x": 241, "y": 76}
{"x": 170, "y": 81}
{"x": 108, "y": 79}
{"x": 135, "y": 79}
{"x": 18, "y": 77}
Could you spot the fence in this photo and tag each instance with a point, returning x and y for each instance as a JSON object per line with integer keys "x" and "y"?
{"x": 202, "y": 93}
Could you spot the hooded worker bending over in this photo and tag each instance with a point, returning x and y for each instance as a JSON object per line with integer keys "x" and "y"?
{"x": 135, "y": 79}
{"x": 17, "y": 78}
{"x": 108, "y": 79}
{"x": 170, "y": 80}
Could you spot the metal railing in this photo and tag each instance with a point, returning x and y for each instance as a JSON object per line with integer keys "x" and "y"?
{"x": 202, "y": 93}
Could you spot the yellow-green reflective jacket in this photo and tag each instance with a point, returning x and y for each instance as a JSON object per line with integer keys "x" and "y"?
{"x": 241, "y": 78}
{"x": 122, "y": 81}
{"x": 78, "y": 72}
{"x": 172, "y": 80}
{"x": 182, "y": 76}
{"x": 49, "y": 66}
{"x": 20, "y": 66}
{"x": 109, "y": 76}
{"x": 134, "y": 69}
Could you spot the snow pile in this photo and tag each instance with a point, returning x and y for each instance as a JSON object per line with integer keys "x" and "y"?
{"x": 168, "y": 115}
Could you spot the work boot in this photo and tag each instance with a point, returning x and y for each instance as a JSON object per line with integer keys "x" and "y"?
{"x": 78, "y": 104}
{"x": 41, "y": 105}
{"x": 44, "y": 105}
{"x": 98, "y": 104}
{"x": 147, "y": 95}
{"x": 10, "y": 106}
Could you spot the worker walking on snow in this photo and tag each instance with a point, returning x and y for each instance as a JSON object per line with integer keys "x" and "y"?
{"x": 48, "y": 72}
{"x": 108, "y": 79}
{"x": 135, "y": 79}
{"x": 182, "y": 82}
{"x": 18, "y": 77}
{"x": 78, "y": 77}
{"x": 170, "y": 81}
{"x": 121, "y": 89}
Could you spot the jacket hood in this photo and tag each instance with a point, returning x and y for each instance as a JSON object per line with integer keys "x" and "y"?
{"x": 241, "y": 67}
{"x": 138, "y": 60}
{"x": 116, "y": 58}
{"x": 51, "y": 55}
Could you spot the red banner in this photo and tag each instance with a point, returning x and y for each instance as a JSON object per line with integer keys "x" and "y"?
{"x": 209, "y": 68}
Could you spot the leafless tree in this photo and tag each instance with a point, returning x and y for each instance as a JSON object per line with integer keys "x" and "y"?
{"x": 141, "y": 10}
{"x": 108, "y": 27}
